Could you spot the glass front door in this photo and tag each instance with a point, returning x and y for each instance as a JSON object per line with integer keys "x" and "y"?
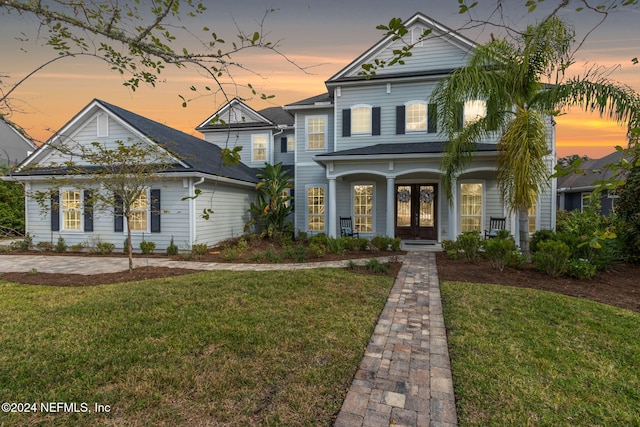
{"x": 416, "y": 207}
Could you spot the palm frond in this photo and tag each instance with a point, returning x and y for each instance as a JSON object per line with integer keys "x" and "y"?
{"x": 522, "y": 172}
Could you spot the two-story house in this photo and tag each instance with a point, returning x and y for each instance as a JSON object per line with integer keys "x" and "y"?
{"x": 369, "y": 149}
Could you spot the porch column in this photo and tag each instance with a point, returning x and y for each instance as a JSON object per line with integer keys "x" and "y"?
{"x": 453, "y": 211}
{"x": 390, "y": 206}
{"x": 331, "y": 229}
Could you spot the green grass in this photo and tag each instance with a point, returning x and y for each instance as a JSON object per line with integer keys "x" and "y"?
{"x": 523, "y": 357}
{"x": 215, "y": 348}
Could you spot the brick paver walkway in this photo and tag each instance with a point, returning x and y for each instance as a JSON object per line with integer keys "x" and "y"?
{"x": 404, "y": 378}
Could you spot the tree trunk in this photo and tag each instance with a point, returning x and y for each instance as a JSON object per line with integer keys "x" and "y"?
{"x": 523, "y": 231}
{"x": 129, "y": 245}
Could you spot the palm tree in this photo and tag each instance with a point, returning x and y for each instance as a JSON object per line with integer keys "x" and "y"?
{"x": 509, "y": 75}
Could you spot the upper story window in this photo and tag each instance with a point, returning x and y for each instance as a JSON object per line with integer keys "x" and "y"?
{"x": 474, "y": 110}
{"x": 71, "y": 210}
{"x": 416, "y": 117}
{"x": 361, "y": 120}
{"x": 316, "y": 132}
{"x": 259, "y": 148}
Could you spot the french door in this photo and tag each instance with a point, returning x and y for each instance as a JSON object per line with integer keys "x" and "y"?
{"x": 416, "y": 208}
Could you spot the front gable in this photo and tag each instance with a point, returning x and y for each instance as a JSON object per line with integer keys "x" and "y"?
{"x": 95, "y": 123}
{"x": 441, "y": 51}
{"x": 234, "y": 114}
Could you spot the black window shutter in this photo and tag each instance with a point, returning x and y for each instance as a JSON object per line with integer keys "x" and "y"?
{"x": 346, "y": 122}
{"x": 118, "y": 218}
{"x": 293, "y": 199}
{"x": 375, "y": 121}
{"x": 155, "y": 211}
{"x": 400, "y": 114}
{"x": 55, "y": 212}
{"x": 283, "y": 145}
{"x": 432, "y": 118}
{"x": 88, "y": 211}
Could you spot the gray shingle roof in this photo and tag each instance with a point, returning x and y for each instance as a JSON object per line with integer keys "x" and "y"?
{"x": 199, "y": 154}
{"x": 592, "y": 170}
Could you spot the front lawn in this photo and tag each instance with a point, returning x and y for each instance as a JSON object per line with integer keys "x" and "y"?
{"x": 529, "y": 357}
{"x": 213, "y": 348}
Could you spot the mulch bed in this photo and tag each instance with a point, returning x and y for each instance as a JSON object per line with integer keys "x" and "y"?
{"x": 619, "y": 287}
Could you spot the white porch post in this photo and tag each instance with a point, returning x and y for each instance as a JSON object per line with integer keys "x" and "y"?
{"x": 332, "y": 208}
{"x": 453, "y": 211}
{"x": 390, "y": 206}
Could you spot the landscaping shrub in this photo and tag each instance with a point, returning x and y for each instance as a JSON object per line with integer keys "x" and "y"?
{"x": 552, "y": 257}
{"x": 377, "y": 266}
{"x": 147, "y": 247}
{"x": 319, "y": 239}
{"x": 199, "y": 249}
{"x": 26, "y": 243}
{"x": 61, "y": 245}
{"x": 336, "y": 246}
{"x": 470, "y": 243}
{"x": 316, "y": 250}
{"x": 499, "y": 250}
{"x": 105, "y": 248}
{"x": 78, "y": 247}
{"x": 580, "y": 268}
{"x": 540, "y": 236}
{"x": 172, "y": 249}
{"x": 44, "y": 246}
{"x": 300, "y": 253}
{"x": 384, "y": 243}
{"x": 449, "y": 245}
{"x": 125, "y": 247}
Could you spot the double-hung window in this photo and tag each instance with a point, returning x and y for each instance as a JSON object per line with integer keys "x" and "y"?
{"x": 315, "y": 208}
{"x": 139, "y": 213}
{"x": 259, "y": 148}
{"x": 471, "y": 207}
{"x": 361, "y": 120}
{"x": 316, "y": 132}
{"x": 363, "y": 208}
{"x": 71, "y": 205}
{"x": 416, "y": 117}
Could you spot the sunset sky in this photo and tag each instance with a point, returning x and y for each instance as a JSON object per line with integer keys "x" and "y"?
{"x": 321, "y": 36}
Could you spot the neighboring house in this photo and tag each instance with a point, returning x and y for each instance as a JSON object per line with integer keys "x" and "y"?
{"x": 168, "y": 210}
{"x": 369, "y": 149}
{"x": 15, "y": 146}
{"x": 575, "y": 190}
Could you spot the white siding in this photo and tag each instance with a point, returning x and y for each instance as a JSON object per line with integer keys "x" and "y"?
{"x": 230, "y": 205}
{"x": 174, "y": 220}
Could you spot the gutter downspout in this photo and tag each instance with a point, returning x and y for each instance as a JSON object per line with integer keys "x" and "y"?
{"x": 192, "y": 210}
{"x": 273, "y": 145}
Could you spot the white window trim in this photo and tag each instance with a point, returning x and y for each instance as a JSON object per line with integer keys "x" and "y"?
{"x": 484, "y": 202}
{"x": 148, "y": 229}
{"x": 373, "y": 205}
{"x": 585, "y": 195}
{"x": 326, "y": 132}
{"x": 367, "y": 132}
{"x": 426, "y": 117}
{"x": 61, "y": 211}
{"x": 266, "y": 147}
{"x": 306, "y": 207}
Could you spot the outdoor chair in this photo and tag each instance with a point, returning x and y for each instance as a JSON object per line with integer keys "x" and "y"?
{"x": 346, "y": 227}
{"x": 495, "y": 224}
